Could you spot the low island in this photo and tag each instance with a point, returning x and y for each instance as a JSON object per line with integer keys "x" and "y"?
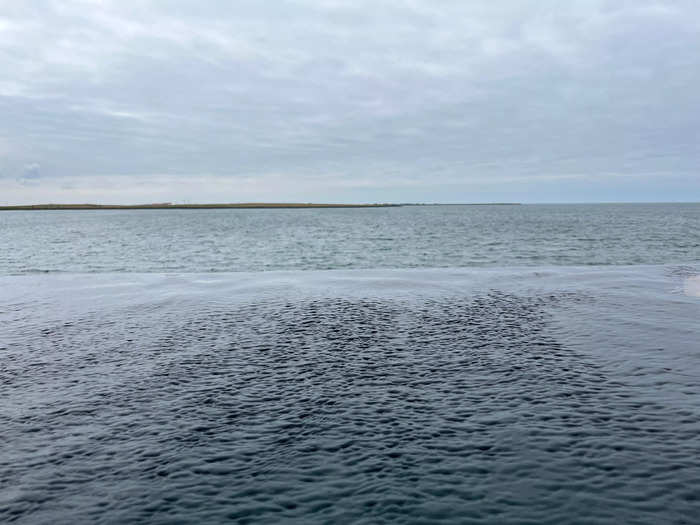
{"x": 248, "y": 205}
{"x": 169, "y": 205}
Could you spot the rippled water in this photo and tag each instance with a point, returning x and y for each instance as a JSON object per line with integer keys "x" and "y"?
{"x": 541, "y": 395}
{"x": 536, "y": 392}
{"x": 314, "y": 239}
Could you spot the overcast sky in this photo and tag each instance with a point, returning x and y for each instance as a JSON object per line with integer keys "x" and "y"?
{"x": 349, "y": 101}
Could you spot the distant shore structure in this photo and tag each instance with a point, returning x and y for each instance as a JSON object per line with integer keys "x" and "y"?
{"x": 249, "y": 205}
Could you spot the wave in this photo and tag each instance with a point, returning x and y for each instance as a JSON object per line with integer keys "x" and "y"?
{"x": 549, "y": 394}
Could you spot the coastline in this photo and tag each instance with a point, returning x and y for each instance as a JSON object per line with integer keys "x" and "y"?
{"x": 170, "y": 206}
{"x": 242, "y": 205}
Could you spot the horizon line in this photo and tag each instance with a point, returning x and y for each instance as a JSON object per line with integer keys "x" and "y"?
{"x": 272, "y": 205}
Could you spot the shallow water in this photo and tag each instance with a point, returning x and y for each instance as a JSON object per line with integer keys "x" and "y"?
{"x": 317, "y": 239}
{"x": 528, "y": 395}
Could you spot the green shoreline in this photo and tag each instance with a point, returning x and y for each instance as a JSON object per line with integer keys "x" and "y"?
{"x": 169, "y": 206}
{"x": 244, "y": 205}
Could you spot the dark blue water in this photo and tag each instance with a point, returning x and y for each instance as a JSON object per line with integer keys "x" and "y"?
{"x": 542, "y": 395}
{"x": 549, "y": 373}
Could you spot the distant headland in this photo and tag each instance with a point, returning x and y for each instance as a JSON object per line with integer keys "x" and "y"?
{"x": 248, "y": 205}
{"x": 170, "y": 205}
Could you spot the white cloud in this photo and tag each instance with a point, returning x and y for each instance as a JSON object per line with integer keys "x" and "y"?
{"x": 354, "y": 96}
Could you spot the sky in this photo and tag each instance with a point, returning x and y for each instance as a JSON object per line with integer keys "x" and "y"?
{"x": 131, "y": 101}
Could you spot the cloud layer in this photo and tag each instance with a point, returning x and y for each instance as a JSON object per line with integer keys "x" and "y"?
{"x": 344, "y": 101}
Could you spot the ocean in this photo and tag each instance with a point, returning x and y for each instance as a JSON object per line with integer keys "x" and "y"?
{"x": 430, "y": 364}
{"x": 230, "y": 240}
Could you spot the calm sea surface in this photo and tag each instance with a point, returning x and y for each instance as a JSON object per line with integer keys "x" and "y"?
{"x": 528, "y": 364}
{"x": 319, "y": 239}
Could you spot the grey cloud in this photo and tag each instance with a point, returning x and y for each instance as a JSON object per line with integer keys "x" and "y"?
{"x": 30, "y": 175}
{"x": 404, "y": 99}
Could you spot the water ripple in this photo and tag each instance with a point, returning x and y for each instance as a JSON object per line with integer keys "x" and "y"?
{"x": 446, "y": 408}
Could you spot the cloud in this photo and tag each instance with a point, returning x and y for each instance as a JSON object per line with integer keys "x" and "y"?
{"x": 31, "y": 173}
{"x": 363, "y": 99}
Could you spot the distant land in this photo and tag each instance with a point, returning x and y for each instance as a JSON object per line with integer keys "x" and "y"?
{"x": 259, "y": 205}
{"x": 169, "y": 205}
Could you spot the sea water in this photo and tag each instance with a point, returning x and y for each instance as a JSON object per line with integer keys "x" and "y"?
{"x": 536, "y": 392}
{"x": 232, "y": 240}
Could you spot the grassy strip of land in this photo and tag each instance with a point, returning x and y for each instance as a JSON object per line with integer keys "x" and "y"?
{"x": 247, "y": 205}
{"x": 168, "y": 206}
